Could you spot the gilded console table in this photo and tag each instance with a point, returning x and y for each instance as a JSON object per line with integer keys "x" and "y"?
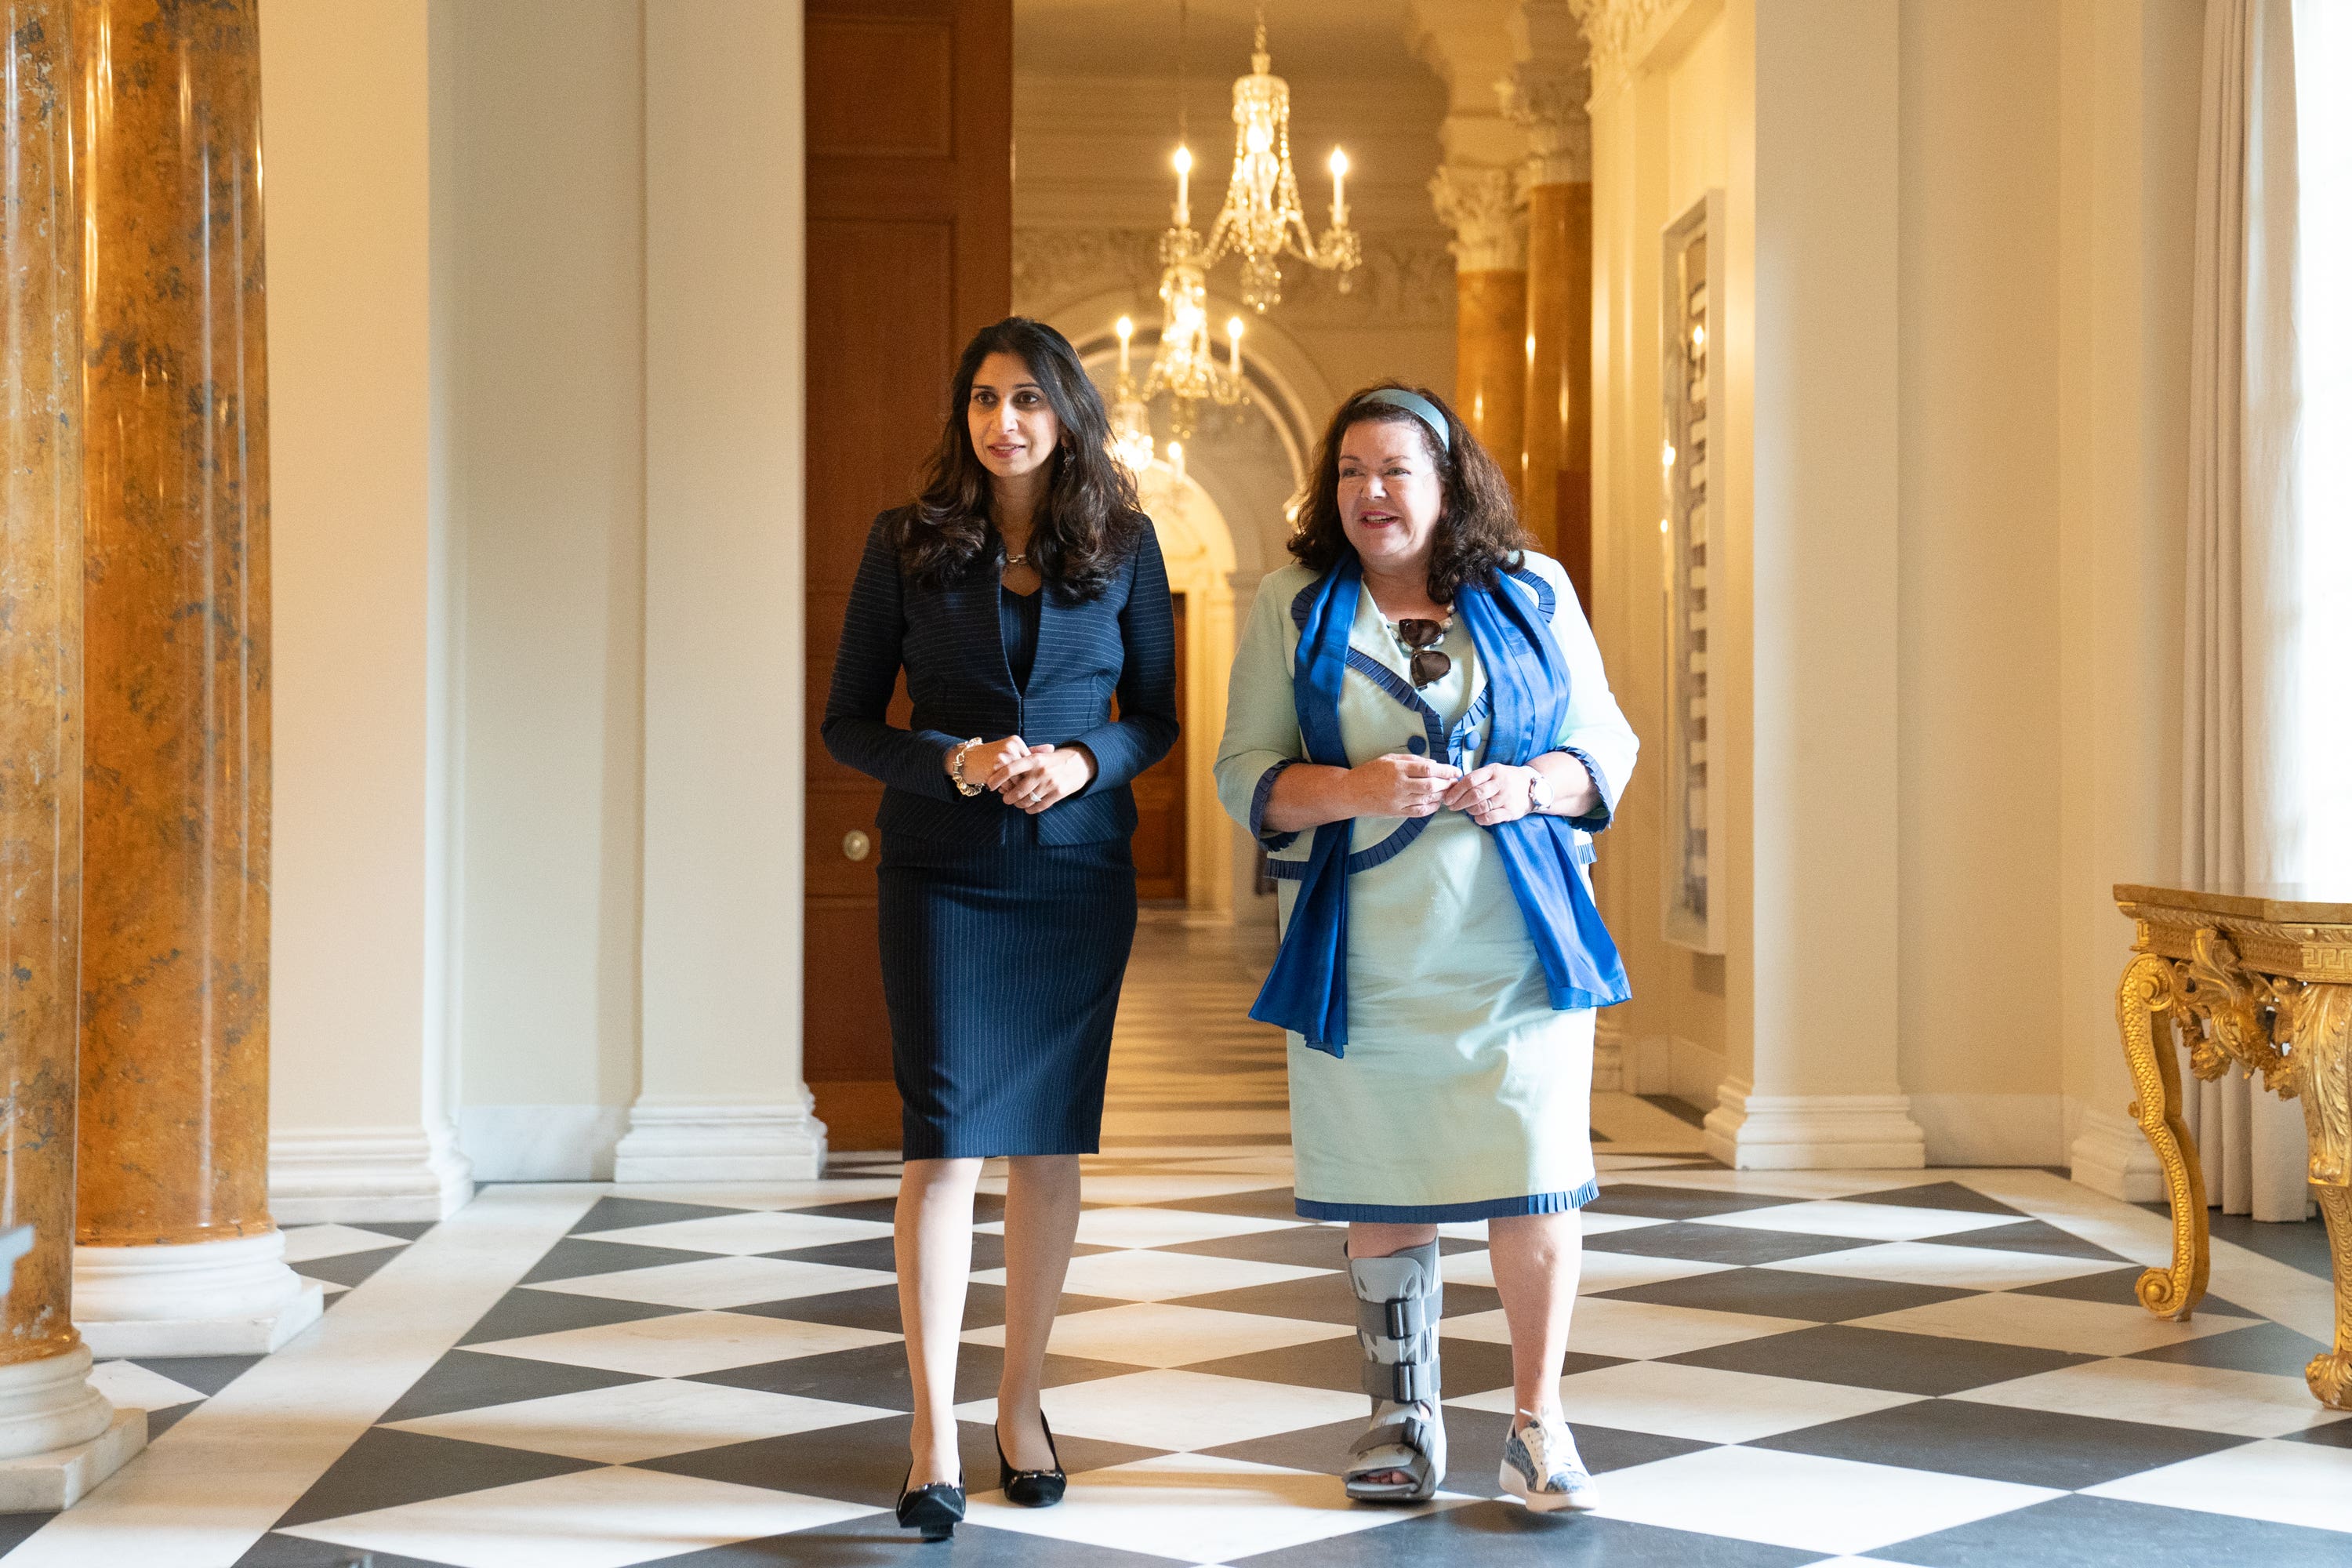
{"x": 2258, "y": 980}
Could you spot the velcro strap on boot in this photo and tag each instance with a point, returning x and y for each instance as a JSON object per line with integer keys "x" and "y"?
{"x": 1402, "y": 1318}
{"x": 1401, "y": 1383}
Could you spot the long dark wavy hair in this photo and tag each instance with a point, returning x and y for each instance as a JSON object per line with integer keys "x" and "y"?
{"x": 1478, "y": 530}
{"x": 1089, "y": 521}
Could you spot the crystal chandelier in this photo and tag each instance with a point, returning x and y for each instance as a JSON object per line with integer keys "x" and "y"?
{"x": 1261, "y": 220}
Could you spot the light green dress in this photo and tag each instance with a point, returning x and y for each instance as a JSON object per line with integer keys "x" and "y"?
{"x": 1463, "y": 1095}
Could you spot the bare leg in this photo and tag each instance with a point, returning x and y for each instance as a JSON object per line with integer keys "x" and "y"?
{"x": 1368, "y": 1239}
{"x": 933, "y": 1247}
{"x": 1041, "y": 1222}
{"x": 1536, "y": 1259}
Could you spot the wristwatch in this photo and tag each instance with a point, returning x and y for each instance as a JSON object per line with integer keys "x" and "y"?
{"x": 1539, "y": 795}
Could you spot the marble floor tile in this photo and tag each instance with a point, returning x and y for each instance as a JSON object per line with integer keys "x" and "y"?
{"x": 1174, "y": 1409}
{"x": 1806, "y": 1501}
{"x": 719, "y": 1282}
{"x": 2284, "y": 1483}
{"x": 1635, "y": 1330}
{"x": 310, "y": 1243}
{"x": 2080, "y": 1532}
{"x": 638, "y": 1420}
{"x": 1935, "y": 1263}
{"x": 1166, "y": 1334}
{"x": 2034, "y": 1447}
{"x": 1141, "y": 1275}
{"x": 1195, "y": 1509}
{"x": 2207, "y": 1398}
{"x": 685, "y": 1343}
{"x": 1132, "y": 1228}
{"x": 607, "y": 1518}
{"x": 743, "y": 1235}
{"x": 1865, "y": 1220}
{"x": 1702, "y": 1404}
{"x": 1879, "y": 1358}
{"x": 2051, "y": 1322}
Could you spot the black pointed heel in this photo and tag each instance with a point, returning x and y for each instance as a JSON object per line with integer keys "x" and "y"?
{"x": 935, "y": 1510}
{"x": 1032, "y": 1489}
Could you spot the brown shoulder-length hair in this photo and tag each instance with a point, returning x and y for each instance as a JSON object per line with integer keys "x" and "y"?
{"x": 1089, "y": 521}
{"x": 1477, "y": 529}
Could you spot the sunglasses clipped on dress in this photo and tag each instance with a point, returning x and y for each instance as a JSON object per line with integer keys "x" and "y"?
{"x": 1421, "y": 639}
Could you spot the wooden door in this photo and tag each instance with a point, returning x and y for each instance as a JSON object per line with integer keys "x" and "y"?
{"x": 1160, "y": 803}
{"x": 909, "y": 252}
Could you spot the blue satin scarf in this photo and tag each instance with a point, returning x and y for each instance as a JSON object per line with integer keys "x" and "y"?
{"x": 1306, "y": 990}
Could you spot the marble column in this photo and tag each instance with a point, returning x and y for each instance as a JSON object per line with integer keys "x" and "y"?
{"x": 1483, "y": 208}
{"x": 1548, "y": 95}
{"x": 58, "y": 1436}
{"x": 178, "y": 1253}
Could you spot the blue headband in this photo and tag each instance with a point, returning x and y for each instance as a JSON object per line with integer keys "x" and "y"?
{"x": 1415, "y": 403}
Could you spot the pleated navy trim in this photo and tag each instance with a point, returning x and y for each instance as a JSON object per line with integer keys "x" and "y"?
{"x": 1258, "y": 798}
{"x": 1450, "y": 1214}
{"x": 1600, "y": 815}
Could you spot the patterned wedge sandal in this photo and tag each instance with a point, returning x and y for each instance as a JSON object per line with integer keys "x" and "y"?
{"x": 1542, "y": 1469}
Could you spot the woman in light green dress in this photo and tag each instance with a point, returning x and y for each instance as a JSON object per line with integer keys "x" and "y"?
{"x": 1426, "y": 780}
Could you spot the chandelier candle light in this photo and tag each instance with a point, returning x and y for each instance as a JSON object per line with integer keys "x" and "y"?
{"x": 1260, "y": 221}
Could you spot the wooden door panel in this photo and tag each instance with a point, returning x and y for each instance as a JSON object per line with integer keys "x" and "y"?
{"x": 1160, "y": 802}
{"x": 910, "y": 128}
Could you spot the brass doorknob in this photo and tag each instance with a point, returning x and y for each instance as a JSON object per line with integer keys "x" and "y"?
{"x": 856, "y": 845}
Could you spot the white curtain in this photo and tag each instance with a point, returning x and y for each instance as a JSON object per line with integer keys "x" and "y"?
{"x": 2242, "y": 799}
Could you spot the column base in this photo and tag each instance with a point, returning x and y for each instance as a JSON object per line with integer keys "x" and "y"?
{"x": 2110, "y": 1155}
{"x": 721, "y": 1143}
{"x": 1609, "y": 1058}
{"x": 1751, "y": 1132}
{"x": 55, "y": 1482}
{"x": 350, "y": 1175}
{"x": 58, "y": 1434}
{"x": 209, "y": 1297}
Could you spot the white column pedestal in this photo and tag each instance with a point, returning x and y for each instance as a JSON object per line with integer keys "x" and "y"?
{"x": 210, "y": 1298}
{"x": 350, "y": 1175}
{"x": 58, "y": 1436}
{"x": 688, "y": 1143}
{"x": 2110, "y": 1155}
{"x": 1751, "y": 1132}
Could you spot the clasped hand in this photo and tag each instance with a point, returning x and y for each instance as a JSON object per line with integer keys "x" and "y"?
{"x": 1400, "y": 785}
{"x": 1031, "y": 778}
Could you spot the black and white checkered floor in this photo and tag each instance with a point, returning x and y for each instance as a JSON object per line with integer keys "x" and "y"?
{"x": 1945, "y": 1369}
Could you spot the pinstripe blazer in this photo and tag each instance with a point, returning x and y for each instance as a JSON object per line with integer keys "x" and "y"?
{"x": 949, "y": 642}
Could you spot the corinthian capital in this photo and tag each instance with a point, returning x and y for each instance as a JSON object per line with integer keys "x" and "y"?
{"x": 1487, "y": 214}
{"x": 1547, "y": 92}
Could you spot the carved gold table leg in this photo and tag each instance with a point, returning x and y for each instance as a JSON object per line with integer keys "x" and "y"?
{"x": 2146, "y": 990}
{"x": 2322, "y": 1021}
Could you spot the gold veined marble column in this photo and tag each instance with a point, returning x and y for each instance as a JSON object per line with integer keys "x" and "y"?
{"x": 1558, "y": 364}
{"x": 1482, "y": 206}
{"x": 179, "y": 1253}
{"x": 1548, "y": 95}
{"x": 46, "y": 1401}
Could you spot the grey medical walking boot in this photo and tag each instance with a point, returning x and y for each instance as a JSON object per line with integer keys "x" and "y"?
{"x": 1399, "y": 1300}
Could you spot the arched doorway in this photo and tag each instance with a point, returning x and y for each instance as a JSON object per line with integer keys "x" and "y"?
{"x": 1199, "y": 549}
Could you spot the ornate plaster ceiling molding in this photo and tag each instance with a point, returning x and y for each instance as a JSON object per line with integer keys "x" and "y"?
{"x": 1619, "y": 32}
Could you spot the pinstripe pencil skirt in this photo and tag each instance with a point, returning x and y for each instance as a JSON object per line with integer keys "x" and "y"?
{"x": 1000, "y": 964}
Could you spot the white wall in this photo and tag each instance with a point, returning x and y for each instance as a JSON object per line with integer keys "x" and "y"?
{"x": 1980, "y": 609}
{"x": 721, "y": 1092}
{"x": 544, "y": 223}
{"x": 359, "y": 1089}
{"x": 1963, "y": 725}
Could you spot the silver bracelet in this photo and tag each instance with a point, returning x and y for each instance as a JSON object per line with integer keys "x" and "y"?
{"x": 955, "y": 768}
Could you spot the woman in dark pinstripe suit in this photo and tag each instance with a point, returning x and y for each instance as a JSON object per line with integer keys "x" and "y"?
{"x": 1020, "y": 592}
